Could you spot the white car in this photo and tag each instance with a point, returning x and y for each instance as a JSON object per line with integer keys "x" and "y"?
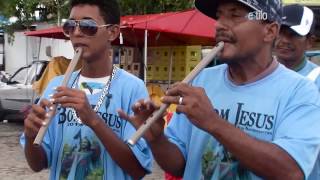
{"x": 16, "y": 91}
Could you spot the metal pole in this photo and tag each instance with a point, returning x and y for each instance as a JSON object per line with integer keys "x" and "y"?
{"x": 145, "y": 55}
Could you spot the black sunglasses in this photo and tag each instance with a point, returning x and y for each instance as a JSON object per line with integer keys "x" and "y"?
{"x": 87, "y": 26}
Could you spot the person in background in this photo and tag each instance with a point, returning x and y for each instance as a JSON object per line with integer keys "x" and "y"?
{"x": 249, "y": 118}
{"x": 296, "y": 37}
{"x": 86, "y": 138}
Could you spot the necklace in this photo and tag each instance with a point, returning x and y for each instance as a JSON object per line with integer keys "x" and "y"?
{"x": 104, "y": 93}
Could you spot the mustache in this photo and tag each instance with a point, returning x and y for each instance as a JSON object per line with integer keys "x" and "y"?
{"x": 223, "y": 36}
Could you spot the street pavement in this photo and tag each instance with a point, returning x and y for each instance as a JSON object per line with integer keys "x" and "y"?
{"x": 13, "y": 165}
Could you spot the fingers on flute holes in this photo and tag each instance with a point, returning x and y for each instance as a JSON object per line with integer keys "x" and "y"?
{"x": 52, "y": 100}
{"x": 51, "y": 108}
{"x": 149, "y": 104}
{"x": 136, "y": 107}
{"x": 44, "y": 123}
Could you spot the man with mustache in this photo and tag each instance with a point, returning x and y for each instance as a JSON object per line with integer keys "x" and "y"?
{"x": 86, "y": 138}
{"x": 250, "y": 118}
{"x": 296, "y": 36}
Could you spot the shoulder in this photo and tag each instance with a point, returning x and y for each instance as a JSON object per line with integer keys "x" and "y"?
{"x": 210, "y": 73}
{"x": 302, "y": 89}
{"x": 57, "y": 81}
{"x": 312, "y": 64}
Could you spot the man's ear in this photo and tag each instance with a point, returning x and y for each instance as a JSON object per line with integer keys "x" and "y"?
{"x": 271, "y": 32}
{"x": 311, "y": 41}
{"x": 113, "y": 32}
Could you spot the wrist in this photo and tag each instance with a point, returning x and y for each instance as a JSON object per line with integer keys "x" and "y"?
{"x": 95, "y": 122}
{"x": 29, "y": 138}
{"x": 157, "y": 140}
{"x": 215, "y": 124}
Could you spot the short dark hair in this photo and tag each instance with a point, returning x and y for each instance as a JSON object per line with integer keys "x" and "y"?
{"x": 109, "y": 9}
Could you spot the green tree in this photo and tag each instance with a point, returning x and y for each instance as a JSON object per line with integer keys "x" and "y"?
{"x": 56, "y": 9}
{"x": 53, "y": 11}
{"x": 129, "y": 7}
{"x": 23, "y": 10}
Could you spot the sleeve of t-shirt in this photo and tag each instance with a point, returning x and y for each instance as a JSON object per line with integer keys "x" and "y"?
{"x": 141, "y": 149}
{"x": 317, "y": 81}
{"x": 298, "y": 133}
{"x": 48, "y": 137}
{"x": 179, "y": 132}
{"x": 179, "y": 129}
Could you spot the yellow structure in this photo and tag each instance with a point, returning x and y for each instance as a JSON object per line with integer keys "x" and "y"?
{"x": 155, "y": 93}
{"x": 57, "y": 66}
{"x": 184, "y": 59}
{"x": 304, "y": 2}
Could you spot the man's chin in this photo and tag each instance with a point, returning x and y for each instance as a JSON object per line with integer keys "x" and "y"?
{"x": 225, "y": 58}
{"x": 284, "y": 57}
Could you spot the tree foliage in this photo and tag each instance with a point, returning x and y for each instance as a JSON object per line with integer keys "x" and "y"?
{"x": 53, "y": 11}
{"x": 129, "y": 7}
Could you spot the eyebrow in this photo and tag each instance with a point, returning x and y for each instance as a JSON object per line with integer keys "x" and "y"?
{"x": 232, "y": 10}
{"x": 82, "y": 18}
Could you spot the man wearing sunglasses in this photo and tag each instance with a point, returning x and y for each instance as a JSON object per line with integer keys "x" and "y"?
{"x": 248, "y": 119}
{"x": 86, "y": 138}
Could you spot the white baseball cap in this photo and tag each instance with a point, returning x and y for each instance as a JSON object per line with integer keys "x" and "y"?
{"x": 299, "y": 18}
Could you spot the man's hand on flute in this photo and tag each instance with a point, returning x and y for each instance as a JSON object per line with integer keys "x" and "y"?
{"x": 142, "y": 110}
{"x": 76, "y": 99}
{"x": 36, "y": 118}
{"x": 194, "y": 103}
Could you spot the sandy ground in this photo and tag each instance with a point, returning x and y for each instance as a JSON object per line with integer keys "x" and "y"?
{"x": 13, "y": 165}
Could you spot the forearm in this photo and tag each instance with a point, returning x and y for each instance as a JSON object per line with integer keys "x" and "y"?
{"x": 168, "y": 156}
{"x": 118, "y": 150}
{"x": 35, "y": 155}
{"x": 263, "y": 158}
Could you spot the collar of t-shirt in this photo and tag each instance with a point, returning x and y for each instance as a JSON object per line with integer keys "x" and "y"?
{"x": 92, "y": 85}
{"x": 302, "y": 64}
{"x": 272, "y": 67}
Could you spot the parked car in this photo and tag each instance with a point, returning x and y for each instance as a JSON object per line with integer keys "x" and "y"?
{"x": 16, "y": 91}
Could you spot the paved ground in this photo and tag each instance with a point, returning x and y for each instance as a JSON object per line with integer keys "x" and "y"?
{"x": 12, "y": 162}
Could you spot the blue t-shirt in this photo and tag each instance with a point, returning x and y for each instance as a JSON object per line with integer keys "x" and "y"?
{"x": 282, "y": 108}
{"x": 75, "y": 152}
{"x": 309, "y": 66}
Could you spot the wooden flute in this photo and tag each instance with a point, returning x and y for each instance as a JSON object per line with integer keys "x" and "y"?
{"x": 158, "y": 114}
{"x": 52, "y": 110}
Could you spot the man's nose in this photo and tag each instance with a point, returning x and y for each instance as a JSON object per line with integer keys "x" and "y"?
{"x": 222, "y": 23}
{"x": 77, "y": 30}
{"x": 282, "y": 38}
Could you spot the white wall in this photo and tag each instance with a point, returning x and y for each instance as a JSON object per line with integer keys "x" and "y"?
{"x": 58, "y": 48}
{"x": 25, "y": 49}
{"x": 16, "y": 53}
{"x": 1, "y": 54}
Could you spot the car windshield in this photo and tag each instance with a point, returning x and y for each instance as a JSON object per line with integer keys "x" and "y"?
{"x": 27, "y": 75}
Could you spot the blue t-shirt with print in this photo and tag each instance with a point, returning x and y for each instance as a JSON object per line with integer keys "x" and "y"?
{"x": 75, "y": 152}
{"x": 309, "y": 66}
{"x": 274, "y": 109}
